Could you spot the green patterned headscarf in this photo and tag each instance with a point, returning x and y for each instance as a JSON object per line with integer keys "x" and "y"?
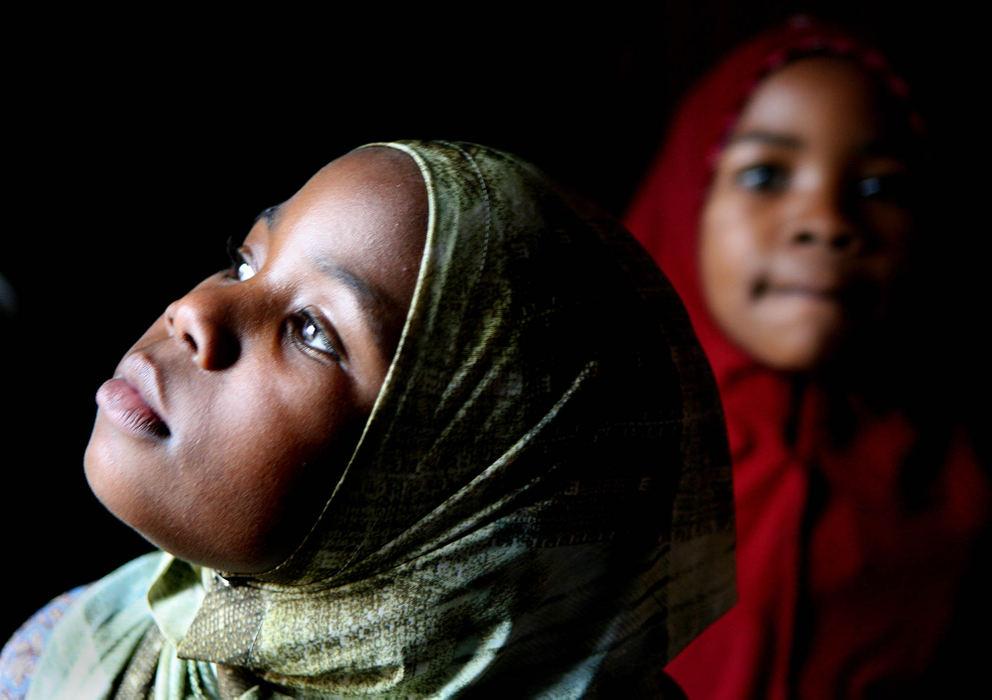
{"x": 539, "y": 505}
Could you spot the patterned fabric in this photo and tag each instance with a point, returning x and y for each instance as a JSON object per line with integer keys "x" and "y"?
{"x": 539, "y": 505}
{"x": 20, "y": 655}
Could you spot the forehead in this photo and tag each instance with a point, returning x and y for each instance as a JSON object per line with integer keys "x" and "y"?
{"x": 816, "y": 94}
{"x": 361, "y": 220}
{"x": 368, "y": 205}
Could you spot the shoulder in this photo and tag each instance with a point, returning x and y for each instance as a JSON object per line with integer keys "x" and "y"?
{"x": 73, "y": 629}
{"x": 21, "y": 653}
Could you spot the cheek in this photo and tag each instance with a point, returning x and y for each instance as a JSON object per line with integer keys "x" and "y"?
{"x": 263, "y": 436}
{"x": 886, "y": 268}
{"x": 293, "y": 425}
{"x": 893, "y": 229}
{"x": 284, "y": 477}
{"x": 729, "y": 254}
{"x": 239, "y": 490}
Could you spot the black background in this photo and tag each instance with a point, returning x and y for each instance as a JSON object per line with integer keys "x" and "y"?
{"x": 135, "y": 146}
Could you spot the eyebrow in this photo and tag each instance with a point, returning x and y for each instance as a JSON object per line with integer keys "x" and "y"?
{"x": 270, "y": 214}
{"x": 770, "y": 138}
{"x": 887, "y": 147}
{"x": 384, "y": 313}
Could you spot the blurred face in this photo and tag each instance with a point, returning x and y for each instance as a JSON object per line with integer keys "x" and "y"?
{"x": 226, "y": 426}
{"x": 806, "y": 226}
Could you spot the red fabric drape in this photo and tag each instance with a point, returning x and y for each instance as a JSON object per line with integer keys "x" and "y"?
{"x": 845, "y": 589}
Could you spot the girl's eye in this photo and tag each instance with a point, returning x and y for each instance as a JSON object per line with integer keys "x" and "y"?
{"x": 762, "y": 178}
{"x": 311, "y": 333}
{"x": 893, "y": 187}
{"x": 241, "y": 268}
{"x": 244, "y": 271}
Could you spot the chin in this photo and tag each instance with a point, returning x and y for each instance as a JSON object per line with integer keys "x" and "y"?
{"x": 796, "y": 353}
{"x": 802, "y": 364}
{"x": 104, "y": 480}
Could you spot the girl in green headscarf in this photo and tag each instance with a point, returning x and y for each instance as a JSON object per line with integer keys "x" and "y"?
{"x": 440, "y": 430}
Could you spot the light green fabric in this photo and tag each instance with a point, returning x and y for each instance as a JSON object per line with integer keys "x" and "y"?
{"x": 539, "y": 505}
{"x": 97, "y": 636}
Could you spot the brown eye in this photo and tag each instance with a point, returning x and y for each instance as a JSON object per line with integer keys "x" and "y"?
{"x": 893, "y": 187}
{"x": 244, "y": 271}
{"x": 312, "y": 335}
{"x": 241, "y": 268}
{"x": 762, "y": 178}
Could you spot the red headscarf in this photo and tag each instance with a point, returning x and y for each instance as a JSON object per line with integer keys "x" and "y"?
{"x": 844, "y": 589}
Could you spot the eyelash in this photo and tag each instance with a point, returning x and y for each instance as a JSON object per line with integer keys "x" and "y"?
{"x": 305, "y": 319}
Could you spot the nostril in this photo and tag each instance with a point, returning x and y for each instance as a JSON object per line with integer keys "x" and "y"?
{"x": 187, "y": 338}
{"x": 805, "y": 238}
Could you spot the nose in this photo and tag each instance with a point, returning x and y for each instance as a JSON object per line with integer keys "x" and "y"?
{"x": 824, "y": 222}
{"x": 203, "y": 321}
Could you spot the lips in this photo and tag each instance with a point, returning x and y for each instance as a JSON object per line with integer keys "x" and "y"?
{"x": 788, "y": 279}
{"x": 131, "y": 400}
{"x": 805, "y": 290}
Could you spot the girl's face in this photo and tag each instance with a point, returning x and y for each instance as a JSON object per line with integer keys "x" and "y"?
{"x": 806, "y": 227}
{"x": 228, "y": 423}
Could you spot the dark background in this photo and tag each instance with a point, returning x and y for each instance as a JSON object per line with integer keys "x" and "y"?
{"x": 137, "y": 145}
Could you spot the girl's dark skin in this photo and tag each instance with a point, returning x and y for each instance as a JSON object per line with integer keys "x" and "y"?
{"x": 804, "y": 233}
{"x": 229, "y": 421}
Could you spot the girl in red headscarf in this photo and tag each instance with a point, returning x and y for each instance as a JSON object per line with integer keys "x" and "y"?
{"x": 785, "y": 210}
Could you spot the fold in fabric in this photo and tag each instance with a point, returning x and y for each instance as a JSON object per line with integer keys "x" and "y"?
{"x": 540, "y": 503}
